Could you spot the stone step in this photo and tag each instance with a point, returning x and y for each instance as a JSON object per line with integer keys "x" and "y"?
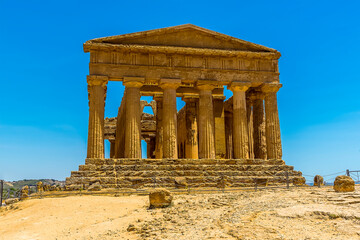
{"x": 122, "y": 161}
{"x": 185, "y": 167}
{"x": 176, "y": 173}
{"x": 132, "y": 182}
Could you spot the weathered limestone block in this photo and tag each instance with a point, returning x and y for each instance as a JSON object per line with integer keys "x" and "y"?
{"x": 10, "y": 201}
{"x": 180, "y": 182}
{"x": 318, "y": 180}
{"x": 223, "y": 182}
{"x": 299, "y": 181}
{"x": 160, "y": 198}
{"x": 344, "y": 184}
{"x": 95, "y": 187}
{"x": 24, "y": 192}
{"x": 39, "y": 187}
{"x": 261, "y": 182}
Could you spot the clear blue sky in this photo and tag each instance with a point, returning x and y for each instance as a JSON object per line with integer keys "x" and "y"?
{"x": 43, "y": 99}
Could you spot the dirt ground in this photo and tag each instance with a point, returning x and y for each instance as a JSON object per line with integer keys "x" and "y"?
{"x": 305, "y": 213}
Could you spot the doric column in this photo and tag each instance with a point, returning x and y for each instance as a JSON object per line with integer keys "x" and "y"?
{"x": 259, "y": 125}
{"x": 159, "y": 127}
{"x": 240, "y": 126}
{"x": 150, "y": 147}
{"x": 112, "y": 148}
{"x": 206, "y": 119}
{"x": 219, "y": 123}
{"x": 132, "y": 117}
{"x": 229, "y": 134}
{"x": 250, "y": 119}
{"x": 97, "y": 95}
{"x": 169, "y": 87}
{"x": 191, "y": 141}
{"x": 273, "y": 138}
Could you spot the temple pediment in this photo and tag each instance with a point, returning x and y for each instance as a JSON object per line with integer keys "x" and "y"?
{"x": 187, "y": 35}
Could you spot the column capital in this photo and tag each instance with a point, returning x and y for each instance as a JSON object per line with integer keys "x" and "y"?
{"x": 204, "y": 84}
{"x": 239, "y": 86}
{"x": 271, "y": 87}
{"x": 133, "y": 82}
{"x": 169, "y": 83}
{"x": 97, "y": 80}
{"x": 254, "y": 95}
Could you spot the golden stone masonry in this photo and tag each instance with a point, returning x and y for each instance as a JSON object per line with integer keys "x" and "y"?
{"x": 206, "y": 140}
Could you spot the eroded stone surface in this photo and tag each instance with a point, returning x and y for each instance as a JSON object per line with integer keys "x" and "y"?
{"x": 344, "y": 184}
{"x": 160, "y": 198}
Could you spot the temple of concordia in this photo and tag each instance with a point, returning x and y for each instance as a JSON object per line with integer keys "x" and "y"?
{"x": 209, "y": 138}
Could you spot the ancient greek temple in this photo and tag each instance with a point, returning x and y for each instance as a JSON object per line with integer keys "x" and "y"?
{"x": 195, "y": 64}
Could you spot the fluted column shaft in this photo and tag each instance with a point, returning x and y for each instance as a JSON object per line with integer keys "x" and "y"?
{"x": 169, "y": 122}
{"x": 191, "y": 142}
{"x": 97, "y": 95}
{"x": 159, "y": 127}
{"x": 259, "y": 126}
{"x": 132, "y": 118}
{"x": 240, "y": 126}
{"x": 206, "y": 122}
{"x": 250, "y": 119}
{"x": 273, "y": 137}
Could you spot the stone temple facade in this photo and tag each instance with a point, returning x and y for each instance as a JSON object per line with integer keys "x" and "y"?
{"x": 209, "y": 138}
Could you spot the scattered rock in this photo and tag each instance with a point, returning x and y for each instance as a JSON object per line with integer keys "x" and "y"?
{"x": 10, "y": 201}
{"x": 344, "y": 184}
{"x": 318, "y": 180}
{"x": 160, "y": 198}
{"x": 39, "y": 187}
{"x": 180, "y": 182}
{"x": 24, "y": 193}
{"x": 131, "y": 228}
{"x": 95, "y": 187}
{"x": 299, "y": 181}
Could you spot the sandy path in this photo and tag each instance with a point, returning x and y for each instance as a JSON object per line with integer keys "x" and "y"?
{"x": 89, "y": 217}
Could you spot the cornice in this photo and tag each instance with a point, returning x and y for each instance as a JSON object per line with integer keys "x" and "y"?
{"x": 88, "y": 47}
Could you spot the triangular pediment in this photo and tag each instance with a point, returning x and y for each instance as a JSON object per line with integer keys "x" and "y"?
{"x": 187, "y": 35}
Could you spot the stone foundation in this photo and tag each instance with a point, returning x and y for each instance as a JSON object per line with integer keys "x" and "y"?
{"x": 141, "y": 173}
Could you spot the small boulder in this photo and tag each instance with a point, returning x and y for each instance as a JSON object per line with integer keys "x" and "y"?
{"x": 180, "y": 182}
{"x": 160, "y": 198}
{"x": 299, "y": 181}
{"x": 95, "y": 187}
{"x": 10, "y": 201}
{"x": 39, "y": 187}
{"x": 318, "y": 180}
{"x": 24, "y": 192}
{"x": 344, "y": 184}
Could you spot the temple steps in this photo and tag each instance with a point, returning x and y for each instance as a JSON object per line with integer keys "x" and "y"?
{"x": 122, "y": 161}
{"x": 141, "y": 173}
{"x": 199, "y": 181}
{"x": 176, "y": 173}
{"x": 185, "y": 167}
